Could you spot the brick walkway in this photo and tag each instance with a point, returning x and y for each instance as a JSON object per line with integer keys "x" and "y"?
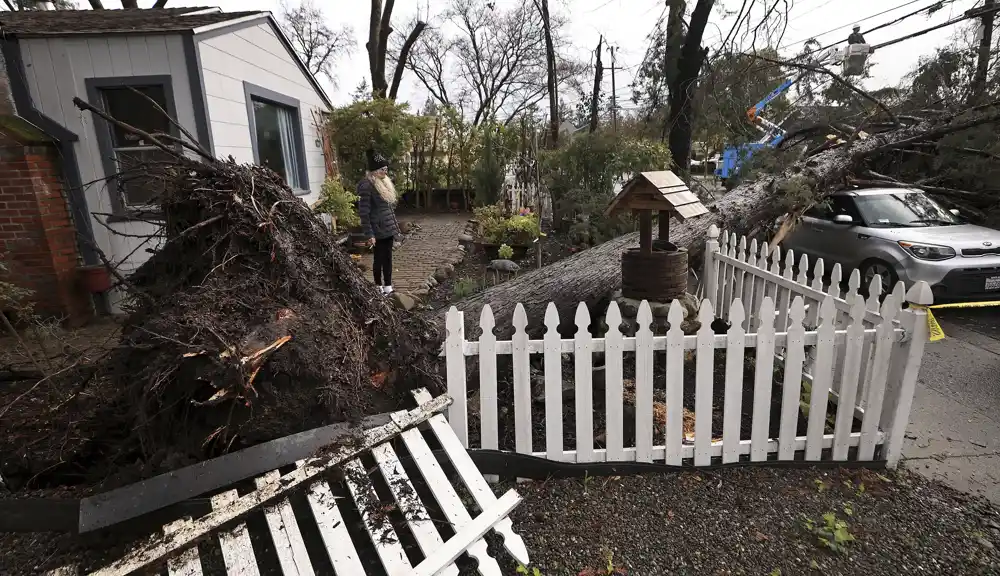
{"x": 432, "y": 246}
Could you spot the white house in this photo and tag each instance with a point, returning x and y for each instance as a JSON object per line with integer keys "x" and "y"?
{"x": 231, "y": 79}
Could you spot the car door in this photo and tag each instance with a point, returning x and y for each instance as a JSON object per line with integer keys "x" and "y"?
{"x": 839, "y": 242}
{"x": 804, "y": 238}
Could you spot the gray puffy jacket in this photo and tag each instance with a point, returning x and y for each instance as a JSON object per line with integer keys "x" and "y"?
{"x": 377, "y": 217}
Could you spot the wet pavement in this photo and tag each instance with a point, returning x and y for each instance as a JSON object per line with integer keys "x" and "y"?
{"x": 954, "y": 431}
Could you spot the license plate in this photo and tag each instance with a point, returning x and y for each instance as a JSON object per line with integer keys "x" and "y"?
{"x": 993, "y": 283}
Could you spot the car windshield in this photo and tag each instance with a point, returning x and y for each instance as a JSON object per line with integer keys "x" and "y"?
{"x": 903, "y": 209}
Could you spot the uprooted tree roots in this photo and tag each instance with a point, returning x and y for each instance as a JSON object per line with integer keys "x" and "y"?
{"x": 248, "y": 323}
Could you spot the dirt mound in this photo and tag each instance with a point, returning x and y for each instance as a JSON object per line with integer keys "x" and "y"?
{"x": 248, "y": 323}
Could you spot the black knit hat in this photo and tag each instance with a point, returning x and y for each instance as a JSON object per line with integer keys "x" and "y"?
{"x": 376, "y": 160}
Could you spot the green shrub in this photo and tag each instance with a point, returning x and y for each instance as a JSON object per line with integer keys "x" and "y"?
{"x": 505, "y": 252}
{"x": 497, "y": 228}
{"x": 340, "y": 203}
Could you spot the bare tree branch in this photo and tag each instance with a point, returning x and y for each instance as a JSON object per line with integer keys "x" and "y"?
{"x": 316, "y": 43}
{"x": 160, "y": 4}
{"x": 130, "y": 4}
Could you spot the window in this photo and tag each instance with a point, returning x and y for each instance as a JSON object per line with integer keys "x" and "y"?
{"x": 129, "y": 150}
{"x": 276, "y": 134}
{"x": 913, "y": 209}
{"x": 835, "y": 206}
{"x": 276, "y": 131}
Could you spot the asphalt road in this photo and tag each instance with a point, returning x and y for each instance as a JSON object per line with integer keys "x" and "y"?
{"x": 954, "y": 430}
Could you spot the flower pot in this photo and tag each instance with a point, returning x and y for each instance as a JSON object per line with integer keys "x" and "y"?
{"x": 94, "y": 279}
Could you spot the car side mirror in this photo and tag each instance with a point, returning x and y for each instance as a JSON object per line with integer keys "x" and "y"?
{"x": 954, "y": 211}
{"x": 843, "y": 219}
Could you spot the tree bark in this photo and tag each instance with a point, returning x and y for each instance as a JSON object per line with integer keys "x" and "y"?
{"x": 680, "y": 120}
{"x": 593, "y": 275}
{"x": 130, "y": 4}
{"x": 96, "y": 5}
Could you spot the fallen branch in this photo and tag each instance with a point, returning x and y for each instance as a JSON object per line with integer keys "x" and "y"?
{"x": 196, "y": 146}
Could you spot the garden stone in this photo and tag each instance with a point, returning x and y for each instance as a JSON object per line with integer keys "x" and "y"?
{"x": 432, "y": 282}
{"x": 465, "y": 238}
{"x": 443, "y": 272}
{"x": 504, "y": 266}
{"x": 403, "y": 300}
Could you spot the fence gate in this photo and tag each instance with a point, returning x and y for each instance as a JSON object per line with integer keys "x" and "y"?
{"x": 177, "y": 545}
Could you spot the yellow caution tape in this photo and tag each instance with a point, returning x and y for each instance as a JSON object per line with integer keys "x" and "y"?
{"x": 934, "y": 328}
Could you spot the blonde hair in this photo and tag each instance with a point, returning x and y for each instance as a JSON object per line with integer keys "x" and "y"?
{"x": 386, "y": 189}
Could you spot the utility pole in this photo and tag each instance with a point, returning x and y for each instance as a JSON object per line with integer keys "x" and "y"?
{"x": 985, "y": 43}
{"x": 596, "y": 100}
{"x": 614, "y": 95}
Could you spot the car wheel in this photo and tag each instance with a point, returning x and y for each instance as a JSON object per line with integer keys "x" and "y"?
{"x": 872, "y": 267}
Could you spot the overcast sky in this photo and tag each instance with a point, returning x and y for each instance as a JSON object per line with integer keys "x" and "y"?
{"x": 626, "y": 24}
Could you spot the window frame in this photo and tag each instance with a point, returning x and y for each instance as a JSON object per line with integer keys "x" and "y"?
{"x": 253, "y": 92}
{"x": 105, "y": 137}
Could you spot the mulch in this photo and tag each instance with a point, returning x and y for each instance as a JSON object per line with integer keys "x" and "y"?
{"x": 754, "y": 521}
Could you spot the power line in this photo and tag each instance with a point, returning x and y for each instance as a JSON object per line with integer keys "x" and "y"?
{"x": 858, "y": 21}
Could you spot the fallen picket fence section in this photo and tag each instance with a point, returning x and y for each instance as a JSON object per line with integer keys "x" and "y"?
{"x": 177, "y": 546}
{"x": 865, "y": 356}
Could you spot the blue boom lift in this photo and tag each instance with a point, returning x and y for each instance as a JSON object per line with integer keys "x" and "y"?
{"x": 853, "y": 58}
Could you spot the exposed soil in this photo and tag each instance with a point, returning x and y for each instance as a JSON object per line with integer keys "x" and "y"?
{"x": 753, "y": 521}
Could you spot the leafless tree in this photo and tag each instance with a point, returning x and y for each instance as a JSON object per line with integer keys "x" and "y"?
{"x": 316, "y": 43}
{"x": 495, "y": 62}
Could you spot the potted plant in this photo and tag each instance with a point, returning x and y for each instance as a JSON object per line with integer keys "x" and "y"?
{"x": 95, "y": 279}
{"x": 496, "y": 228}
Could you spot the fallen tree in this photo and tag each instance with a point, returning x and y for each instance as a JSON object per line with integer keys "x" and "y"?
{"x": 592, "y": 275}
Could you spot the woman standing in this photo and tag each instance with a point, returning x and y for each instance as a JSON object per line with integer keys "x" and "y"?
{"x": 376, "y": 207}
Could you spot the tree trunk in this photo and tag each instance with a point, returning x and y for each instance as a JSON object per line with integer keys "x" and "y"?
{"x": 96, "y": 5}
{"x": 129, "y": 4}
{"x": 681, "y": 91}
{"x": 550, "y": 60}
{"x": 595, "y": 101}
{"x": 593, "y": 275}
{"x": 404, "y": 55}
{"x": 983, "y": 60}
{"x": 375, "y": 17}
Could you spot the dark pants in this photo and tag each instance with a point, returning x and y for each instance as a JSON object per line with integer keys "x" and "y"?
{"x": 382, "y": 266}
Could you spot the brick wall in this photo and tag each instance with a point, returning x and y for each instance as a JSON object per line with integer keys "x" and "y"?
{"x": 37, "y": 237}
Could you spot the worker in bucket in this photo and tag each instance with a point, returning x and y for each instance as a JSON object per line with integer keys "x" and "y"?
{"x": 856, "y": 37}
{"x": 377, "y": 208}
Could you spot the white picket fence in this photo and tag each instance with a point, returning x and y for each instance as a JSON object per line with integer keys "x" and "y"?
{"x": 736, "y": 268}
{"x": 864, "y": 356}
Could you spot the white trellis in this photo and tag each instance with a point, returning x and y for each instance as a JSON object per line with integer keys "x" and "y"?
{"x": 863, "y": 355}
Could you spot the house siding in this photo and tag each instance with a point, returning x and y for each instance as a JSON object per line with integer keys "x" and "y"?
{"x": 57, "y": 69}
{"x": 256, "y": 55}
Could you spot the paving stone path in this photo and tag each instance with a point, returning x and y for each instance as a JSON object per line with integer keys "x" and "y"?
{"x": 433, "y": 245}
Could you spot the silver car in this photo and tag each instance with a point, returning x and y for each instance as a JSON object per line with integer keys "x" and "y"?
{"x": 901, "y": 234}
